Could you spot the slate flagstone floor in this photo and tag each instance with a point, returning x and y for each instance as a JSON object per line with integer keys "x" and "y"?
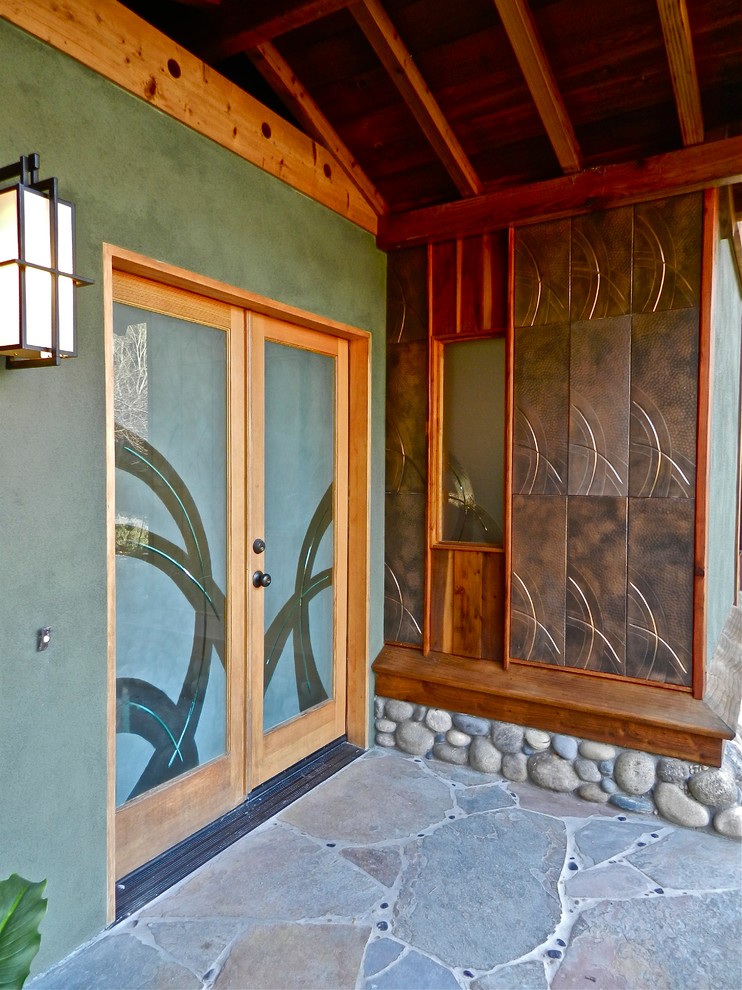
{"x": 403, "y": 874}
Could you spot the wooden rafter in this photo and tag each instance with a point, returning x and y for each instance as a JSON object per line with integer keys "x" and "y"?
{"x": 398, "y": 62}
{"x": 520, "y": 28}
{"x": 717, "y": 163}
{"x": 121, "y": 47}
{"x": 277, "y": 72}
{"x": 247, "y": 29}
{"x": 679, "y": 46}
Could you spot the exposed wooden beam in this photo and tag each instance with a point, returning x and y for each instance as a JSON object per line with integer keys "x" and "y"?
{"x": 277, "y": 72}
{"x": 679, "y": 46}
{"x": 701, "y": 166}
{"x": 248, "y": 27}
{"x": 112, "y": 41}
{"x": 398, "y": 62}
{"x": 520, "y": 28}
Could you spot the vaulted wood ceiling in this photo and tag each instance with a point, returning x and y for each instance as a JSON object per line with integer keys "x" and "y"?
{"x": 433, "y": 102}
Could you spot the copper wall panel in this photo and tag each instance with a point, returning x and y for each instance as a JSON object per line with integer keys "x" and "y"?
{"x": 541, "y": 410}
{"x": 601, "y": 264}
{"x": 667, "y": 253}
{"x": 664, "y": 390}
{"x": 406, "y": 452}
{"x": 596, "y": 583}
{"x": 537, "y": 605}
{"x": 600, "y": 359}
{"x": 660, "y": 590}
{"x": 542, "y": 274}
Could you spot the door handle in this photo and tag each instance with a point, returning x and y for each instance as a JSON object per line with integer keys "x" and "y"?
{"x": 260, "y": 579}
{"x": 258, "y": 546}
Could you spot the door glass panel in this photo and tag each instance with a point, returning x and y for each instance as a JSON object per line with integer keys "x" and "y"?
{"x": 473, "y": 461}
{"x": 299, "y": 535}
{"x": 170, "y": 408}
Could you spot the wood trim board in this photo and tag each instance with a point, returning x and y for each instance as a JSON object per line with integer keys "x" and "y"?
{"x": 117, "y": 44}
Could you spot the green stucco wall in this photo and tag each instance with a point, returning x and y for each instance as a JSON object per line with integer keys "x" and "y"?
{"x": 143, "y": 182}
{"x": 722, "y": 539}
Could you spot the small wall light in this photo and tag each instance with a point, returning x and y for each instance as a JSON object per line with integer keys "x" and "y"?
{"x": 37, "y": 269}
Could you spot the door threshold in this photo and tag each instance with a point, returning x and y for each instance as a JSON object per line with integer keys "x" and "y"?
{"x": 151, "y": 879}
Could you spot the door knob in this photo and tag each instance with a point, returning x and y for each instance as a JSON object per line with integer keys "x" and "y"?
{"x": 258, "y": 546}
{"x": 260, "y": 579}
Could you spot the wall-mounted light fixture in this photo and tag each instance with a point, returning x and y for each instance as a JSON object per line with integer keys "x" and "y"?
{"x": 37, "y": 269}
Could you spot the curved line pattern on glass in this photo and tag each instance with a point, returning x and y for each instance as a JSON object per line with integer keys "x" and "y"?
{"x": 142, "y": 708}
{"x": 475, "y": 524}
{"x": 293, "y": 616}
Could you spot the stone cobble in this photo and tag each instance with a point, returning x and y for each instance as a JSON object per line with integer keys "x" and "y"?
{"x": 683, "y": 793}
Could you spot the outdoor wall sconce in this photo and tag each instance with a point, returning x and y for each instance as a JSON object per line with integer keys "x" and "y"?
{"x": 37, "y": 269}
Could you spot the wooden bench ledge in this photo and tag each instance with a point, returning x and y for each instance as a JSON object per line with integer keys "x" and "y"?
{"x": 634, "y": 716}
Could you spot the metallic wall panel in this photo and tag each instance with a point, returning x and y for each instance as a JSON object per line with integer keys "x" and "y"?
{"x": 541, "y": 414}
{"x": 601, "y": 264}
{"x": 660, "y": 593}
{"x": 664, "y": 390}
{"x": 600, "y": 359}
{"x": 596, "y": 583}
{"x": 406, "y": 452}
{"x": 667, "y": 253}
{"x": 537, "y": 605}
{"x": 542, "y": 274}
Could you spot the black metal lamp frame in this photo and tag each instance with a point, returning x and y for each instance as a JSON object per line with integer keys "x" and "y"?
{"x": 26, "y": 171}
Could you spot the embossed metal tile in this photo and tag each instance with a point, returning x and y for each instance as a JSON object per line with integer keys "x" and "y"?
{"x": 542, "y": 273}
{"x": 660, "y": 595}
{"x": 406, "y": 481}
{"x": 537, "y": 604}
{"x": 601, "y": 264}
{"x": 541, "y": 410}
{"x": 406, "y": 295}
{"x": 664, "y": 389}
{"x": 600, "y": 359}
{"x": 667, "y": 253}
{"x": 596, "y": 583}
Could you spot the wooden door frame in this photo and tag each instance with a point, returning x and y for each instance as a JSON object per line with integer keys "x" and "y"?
{"x": 359, "y": 453}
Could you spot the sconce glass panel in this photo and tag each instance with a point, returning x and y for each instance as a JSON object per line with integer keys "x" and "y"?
{"x": 473, "y": 461}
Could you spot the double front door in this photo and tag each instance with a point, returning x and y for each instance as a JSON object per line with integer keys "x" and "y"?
{"x": 230, "y": 532}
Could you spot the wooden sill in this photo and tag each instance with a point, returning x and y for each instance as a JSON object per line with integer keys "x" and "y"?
{"x": 634, "y": 716}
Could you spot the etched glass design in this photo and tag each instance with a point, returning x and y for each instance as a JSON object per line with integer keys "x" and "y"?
{"x": 171, "y": 556}
{"x": 299, "y": 532}
{"x": 473, "y": 441}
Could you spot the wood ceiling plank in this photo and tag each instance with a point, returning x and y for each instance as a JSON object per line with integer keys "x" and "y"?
{"x": 679, "y": 45}
{"x": 243, "y": 30}
{"x": 119, "y": 45}
{"x": 520, "y": 28}
{"x": 278, "y": 73}
{"x": 398, "y": 62}
{"x": 717, "y": 163}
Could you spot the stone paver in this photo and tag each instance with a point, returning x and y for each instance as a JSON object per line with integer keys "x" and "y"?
{"x": 404, "y": 874}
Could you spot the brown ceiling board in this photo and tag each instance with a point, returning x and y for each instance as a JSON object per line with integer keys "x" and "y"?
{"x": 687, "y": 169}
{"x": 633, "y": 135}
{"x": 278, "y": 73}
{"x": 679, "y": 45}
{"x": 519, "y": 163}
{"x": 250, "y": 25}
{"x": 521, "y": 29}
{"x": 397, "y": 60}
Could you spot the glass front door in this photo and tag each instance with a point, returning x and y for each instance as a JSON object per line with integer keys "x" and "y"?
{"x": 299, "y": 431}
{"x": 178, "y": 758}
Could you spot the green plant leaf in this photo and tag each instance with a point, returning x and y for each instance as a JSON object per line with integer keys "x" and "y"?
{"x": 22, "y": 907}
